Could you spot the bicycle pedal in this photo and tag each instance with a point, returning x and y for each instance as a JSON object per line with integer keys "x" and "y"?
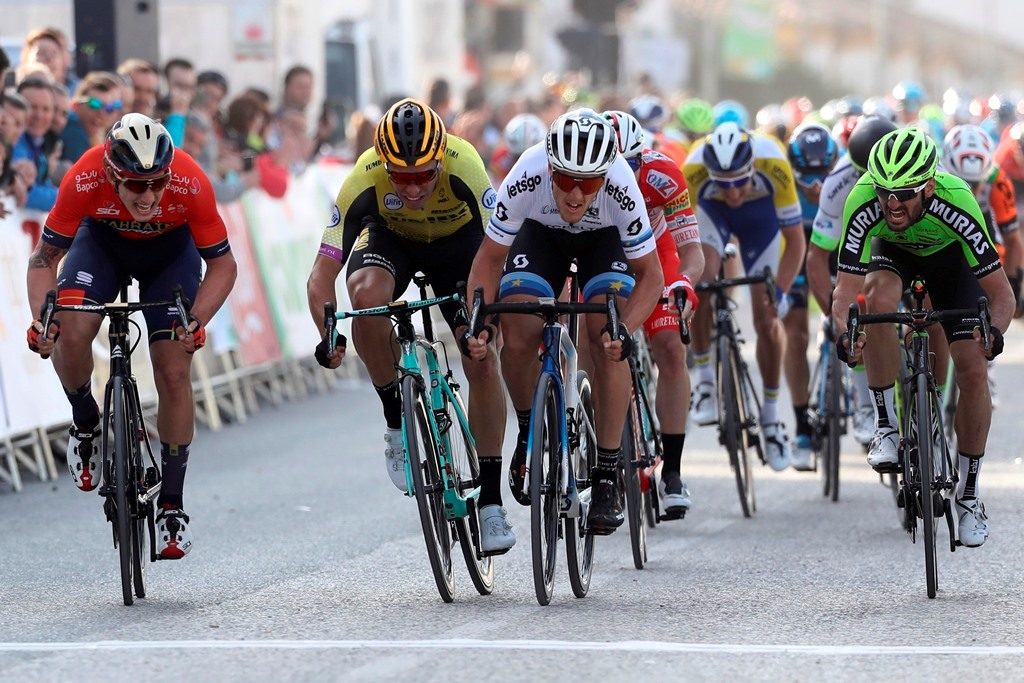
{"x": 494, "y": 553}
{"x": 671, "y": 515}
{"x": 887, "y": 468}
{"x": 601, "y": 531}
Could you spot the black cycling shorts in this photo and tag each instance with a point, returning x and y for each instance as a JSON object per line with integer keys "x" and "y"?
{"x": 99, "y": 261}
{"x": 948, "y": 278}
{"x": 445, "y": 262}
{"x": 539, "y": 259}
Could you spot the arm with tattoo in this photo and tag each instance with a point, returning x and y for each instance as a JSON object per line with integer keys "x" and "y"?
{"x": 42, "y": 273}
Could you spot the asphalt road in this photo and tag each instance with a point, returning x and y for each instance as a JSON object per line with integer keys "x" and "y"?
{"x": 308, "y": 565}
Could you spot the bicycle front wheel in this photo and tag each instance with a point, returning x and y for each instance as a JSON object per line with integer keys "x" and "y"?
{"x": 427, "y": 485}
{"x": 466, "y": 474}
{"x": 579, "y": 545}
{"x": 121, "y": 425}
{"x": 731, "y": 424}
{"x": 632, "y": 453}
{"x": 926, "y": 474}
{"x": 833, "y": 426}
{"x": 545, "y": 485}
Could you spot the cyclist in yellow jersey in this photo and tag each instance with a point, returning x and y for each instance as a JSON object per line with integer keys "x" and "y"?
{"x": 744, "y": 186}
{"x": 417, "y": 201}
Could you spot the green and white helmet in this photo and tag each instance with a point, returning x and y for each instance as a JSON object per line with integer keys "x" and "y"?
{"x": 903, "y": 158}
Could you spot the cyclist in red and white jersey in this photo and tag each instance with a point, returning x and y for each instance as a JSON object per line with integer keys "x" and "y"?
{"x": 678, "y": 240}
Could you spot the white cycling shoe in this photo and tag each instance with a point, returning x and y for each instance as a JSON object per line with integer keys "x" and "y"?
{"x": 777, "y": 451}
{"x": 973, "y": 527}
{"x": 864, "y": 424}
{"x": 173, "y": 536}
{"x": 84, "y": 458}
{"x": 496, "y": 534}
{"x": 883, "y": 452}
{"x": 704, "y": 404}
{"x": 394, "y": 459}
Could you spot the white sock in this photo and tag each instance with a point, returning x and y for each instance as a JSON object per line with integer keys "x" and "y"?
{"x": 705, "y": 368}
{"x": 885, "y": 409}
{"x": 770, "y": 407}
{"x": 968, "y": 486}
{"x": 860, "y": 386}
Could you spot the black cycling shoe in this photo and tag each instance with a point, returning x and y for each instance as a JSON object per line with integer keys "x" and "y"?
{"x": 605, "y": 514}
{"x": 517, "y": 474}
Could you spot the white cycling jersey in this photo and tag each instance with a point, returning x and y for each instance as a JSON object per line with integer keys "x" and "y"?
{"x": 526, "y": 194}
{"x": 828, "y": 224}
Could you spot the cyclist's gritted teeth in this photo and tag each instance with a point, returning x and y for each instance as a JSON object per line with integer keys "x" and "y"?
{"x": 144, "y": 208}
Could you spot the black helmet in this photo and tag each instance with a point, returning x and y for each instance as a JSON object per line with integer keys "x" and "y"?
{"x": 866, "y": 133}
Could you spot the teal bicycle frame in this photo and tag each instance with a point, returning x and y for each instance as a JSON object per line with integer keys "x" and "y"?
{"x": 441, "y": 394}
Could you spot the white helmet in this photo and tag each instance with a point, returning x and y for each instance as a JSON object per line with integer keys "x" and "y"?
{"x": 628, "y": 131}
{"x": 524, "y": 131}
{"x": 879, "y": 107}
{"x": 138, "y": 146}
{"x": 967, "y": 153}
{"x": 728, "y": 150}
{"x": 581, "y": 143}
{"x": 649, "y": 111}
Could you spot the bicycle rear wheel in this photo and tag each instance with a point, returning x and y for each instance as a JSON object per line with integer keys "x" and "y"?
{"x": 123, "y": 519}
{"x": 579, "y": 545}
{"x": 926, "y": 473}
{"x": 466, "y": 475}
{"x": 427, "y": 485}
{"x": 545, "y": 485}
{"x": 731, "y": 424}
{"x": 632, "y": 454}
{"x": 833, "y": 426}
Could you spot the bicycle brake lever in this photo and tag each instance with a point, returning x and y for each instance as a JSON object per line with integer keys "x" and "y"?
{"x": 46, "y": 314}
{"x": 330, "y": 324}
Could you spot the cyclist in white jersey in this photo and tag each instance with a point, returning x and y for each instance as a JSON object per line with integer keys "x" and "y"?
{"x": 573, "y": 197}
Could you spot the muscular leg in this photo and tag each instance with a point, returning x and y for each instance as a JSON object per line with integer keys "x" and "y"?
{"x": 672, "y": 402}
{"x": 700, "y": 327}
{"x": 882, "y": 289}
{"x": 612, "y": 386}
{"x": 770, "y": 341}
{"x": 798, "y": 374}
{"x": 369, "y": 287}
{"x": 175, "y": 419}
{"x": 486, "y": 404}
{"x": 520, "y": 364}
{"x": 72, "y": 356}
{"x": 974, "y": 407}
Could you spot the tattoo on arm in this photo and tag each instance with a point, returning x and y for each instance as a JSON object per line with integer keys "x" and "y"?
{"x": 45, "y": 256}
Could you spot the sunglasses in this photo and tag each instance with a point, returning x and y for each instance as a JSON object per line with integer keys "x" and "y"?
{"x": 419, "y": 178}
{"x": 567, "y": 183}
{"x": 97, "y": 104}
{"x": 810, "y": 182}
{"x": 634, "y": 162}
{"x": 139, "y": 185}
{"x": 733, "y": 181}
{"x": 900, "y": 194}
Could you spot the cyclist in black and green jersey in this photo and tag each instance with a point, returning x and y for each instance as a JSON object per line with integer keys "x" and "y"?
{"x": 904, "y": 221}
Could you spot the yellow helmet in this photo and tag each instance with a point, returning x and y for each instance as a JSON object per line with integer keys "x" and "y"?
{"x": 410, "y": 134}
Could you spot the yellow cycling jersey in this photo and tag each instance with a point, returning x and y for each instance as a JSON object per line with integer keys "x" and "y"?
{"x": 463, "y": 197}
{"x": 773, "y": 177}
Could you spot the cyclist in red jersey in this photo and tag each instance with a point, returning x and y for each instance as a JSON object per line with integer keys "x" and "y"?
{"x": 133, "y": 207}
{"x": 678, "y": 239}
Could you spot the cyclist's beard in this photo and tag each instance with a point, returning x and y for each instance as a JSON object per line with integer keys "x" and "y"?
{"x": 902, "y": 218}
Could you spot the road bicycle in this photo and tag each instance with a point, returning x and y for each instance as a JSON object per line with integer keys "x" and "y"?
{"x": 929, "y": 471}
{"x": 442, "y": 467}
{"x": 739, "y": 408}
{"x": 131, "y": 475}
{"x": 561, "y": 444}
{"x": 829, "y": 410}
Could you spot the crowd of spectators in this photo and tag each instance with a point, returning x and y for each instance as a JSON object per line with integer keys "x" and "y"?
{"x": 49, "y": 118}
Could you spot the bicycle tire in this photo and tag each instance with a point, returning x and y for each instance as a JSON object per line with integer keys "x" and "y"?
{"x": 926, "y": 473}
{"x": 579, "y": 545}
{"x": 140, "y": 538}
{"x": 123, "y": 512}
{"x": 466, "y": 473}
{"x": 632, "y": 451}
{"x": 833, "y": 391}
{"x": 426, "y": 481}
{"x": 730, "y": 423}
{"x": 751, "y": 440}
{"x": 545, "y": 489}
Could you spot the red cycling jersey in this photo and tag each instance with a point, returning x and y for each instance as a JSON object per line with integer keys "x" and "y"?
{"x": 668, "y": 201}
{"x": 188, "y": 201}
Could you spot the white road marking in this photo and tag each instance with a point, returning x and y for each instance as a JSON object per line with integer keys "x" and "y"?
{"x": 558, "y": 645}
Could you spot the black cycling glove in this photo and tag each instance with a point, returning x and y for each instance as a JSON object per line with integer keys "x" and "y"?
{"x": 622, "y": 335}
{"x": 996, "y": 340}
{"x": 842, "y": 347}
{"x": 322, "y": 350}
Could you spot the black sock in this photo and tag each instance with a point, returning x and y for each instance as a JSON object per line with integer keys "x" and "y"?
{"x": 608, "y": 460}
{"x": 173, "y": 461}
{"x": 391, "y": 400}
{"x": 84, "y": 411}
{"x": 803, "y": 427}
{"x": 672, "y": 447}
{"x": 523, "y": 420}
{"x": 490, "y": 481}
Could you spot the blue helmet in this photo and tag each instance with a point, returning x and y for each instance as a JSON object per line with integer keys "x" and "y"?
{"x": 909, "y": 95}
{"x": 811, "y": 149}
{"x": 731, "y": 110}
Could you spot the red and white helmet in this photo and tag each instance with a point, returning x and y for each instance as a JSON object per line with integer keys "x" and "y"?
{"x": 629, "y": 132}
{"x": 967, "y": 153}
